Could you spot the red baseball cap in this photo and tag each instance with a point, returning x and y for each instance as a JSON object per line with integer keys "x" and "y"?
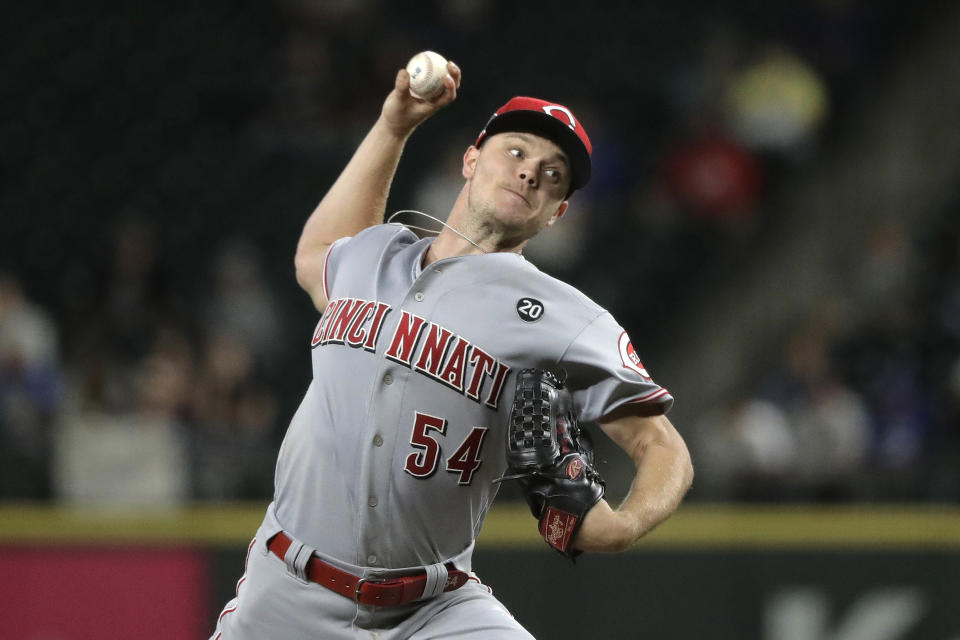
{"x": 550, "y": 120}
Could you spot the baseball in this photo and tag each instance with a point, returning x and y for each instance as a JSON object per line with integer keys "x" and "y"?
{"x": 427, "y": 70}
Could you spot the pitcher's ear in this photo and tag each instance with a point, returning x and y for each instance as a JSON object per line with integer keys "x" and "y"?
{"x": 470, "y": 161}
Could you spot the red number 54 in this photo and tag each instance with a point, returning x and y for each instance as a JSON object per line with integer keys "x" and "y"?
{"x": 423, "y": 462}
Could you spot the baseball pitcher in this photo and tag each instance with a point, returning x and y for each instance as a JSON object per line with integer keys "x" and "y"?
{"x": 442, "y": 368}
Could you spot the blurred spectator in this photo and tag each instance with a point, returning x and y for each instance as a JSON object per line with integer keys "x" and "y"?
{"x": 745, "y": 451}
{"x": 696, "y": 89}
{"x": 808, "y": 437}
{"x": 30, "y": 392}
{"x": 234, "y": 417}
{"x": 777, "y": 103}
{"x": 829, "y": 419}
{"x": 887, "y": 272}
{"x": 241, "y": 304}
{"x": 114, "y": 312}
{"x": 136, "y": 458}
{"x": 902, "y": 415}
{"x": 952, "y": 413}
{"x": 713, "y": 178}
{"x": 832, "y": 428}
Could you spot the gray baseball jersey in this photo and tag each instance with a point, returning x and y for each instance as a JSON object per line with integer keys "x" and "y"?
{"x": 390, "y": 459}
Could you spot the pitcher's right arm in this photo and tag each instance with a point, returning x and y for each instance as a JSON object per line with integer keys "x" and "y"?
{"x": 358, "y": 198}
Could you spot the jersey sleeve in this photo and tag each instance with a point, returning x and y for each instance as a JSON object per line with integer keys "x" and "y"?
{"x": 358, "y": 254}
{"x": 331, "y": 265}
{"x": 605, "y": 372}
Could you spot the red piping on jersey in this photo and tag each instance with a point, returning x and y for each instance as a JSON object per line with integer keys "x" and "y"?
{"x": 647, "y": 398}
{"x": 326, "y": 259}
{"x": 246, "y": 562}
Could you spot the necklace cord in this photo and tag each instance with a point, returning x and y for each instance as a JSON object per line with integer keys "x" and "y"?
{"x": 433, "y": 231}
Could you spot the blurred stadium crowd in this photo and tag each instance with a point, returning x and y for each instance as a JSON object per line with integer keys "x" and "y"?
{"x": 159, "y": 162}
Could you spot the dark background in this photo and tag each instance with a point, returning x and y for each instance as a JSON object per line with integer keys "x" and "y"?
{"x": 142, "y": 141}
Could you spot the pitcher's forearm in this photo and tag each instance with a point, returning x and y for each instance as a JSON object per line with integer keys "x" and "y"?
{"x": 663, "y": 477}
{"x": 664, "y": 473}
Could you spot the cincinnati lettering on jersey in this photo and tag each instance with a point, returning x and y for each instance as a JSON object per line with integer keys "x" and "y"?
{"x": 416, "y": 343}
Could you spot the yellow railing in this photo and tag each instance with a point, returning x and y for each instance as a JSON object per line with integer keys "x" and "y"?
{"x": 511, "y": 525}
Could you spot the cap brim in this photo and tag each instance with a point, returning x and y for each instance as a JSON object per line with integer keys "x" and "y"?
{"x": 551, "y": 128}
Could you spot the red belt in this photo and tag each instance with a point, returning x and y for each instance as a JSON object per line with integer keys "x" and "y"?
{"x": 390, "y": 592}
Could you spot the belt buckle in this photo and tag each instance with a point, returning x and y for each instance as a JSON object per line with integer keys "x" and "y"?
{"x": 359, "y": 587}
{"x": 356, "y": 591}
{"x": 360, "y": 583}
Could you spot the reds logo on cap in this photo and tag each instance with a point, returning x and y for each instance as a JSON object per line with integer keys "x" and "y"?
{"x": 549, "y": 109}
{"x": 550, "y": 120}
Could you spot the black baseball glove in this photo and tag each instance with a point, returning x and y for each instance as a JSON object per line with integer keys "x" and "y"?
{"x": 552, "y": 457}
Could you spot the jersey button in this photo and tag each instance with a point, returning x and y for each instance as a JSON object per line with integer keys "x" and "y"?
{"x": 378, "y": 440}
{"x": 418, "y": 296}
{"x": 372, "y": 501}
{"x": 371, "y": 559}
{"x": 388, "y": 379}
